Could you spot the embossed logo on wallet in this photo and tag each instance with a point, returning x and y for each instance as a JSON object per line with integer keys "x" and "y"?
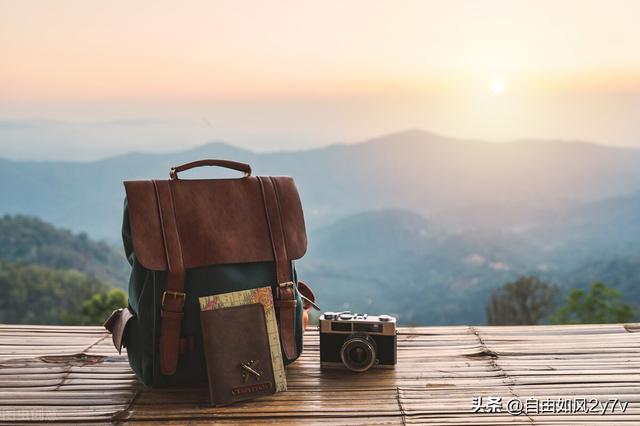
{"x": 250, "y": 369}
{"x": 256, "y": 387}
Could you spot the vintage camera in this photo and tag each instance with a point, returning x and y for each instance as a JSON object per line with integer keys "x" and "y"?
{"x": 357, "y": 341}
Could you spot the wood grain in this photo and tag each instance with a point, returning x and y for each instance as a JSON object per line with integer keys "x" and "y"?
{"x": 73, "y": 374}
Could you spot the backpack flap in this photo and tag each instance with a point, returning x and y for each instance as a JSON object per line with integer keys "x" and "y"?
{"x": 219, "y": 221}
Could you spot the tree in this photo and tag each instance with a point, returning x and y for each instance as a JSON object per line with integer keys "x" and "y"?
{"x": 97, "y": 308}
{"x": 28, "y": 240}
{"x": 600, "y": 305}
{"x": 33, "y": 294}
{"x": 525, "y": 301}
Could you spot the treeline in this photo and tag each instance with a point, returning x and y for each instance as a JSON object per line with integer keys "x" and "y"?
{"x": 53, "y": 276}
{"x": 33, "y": 294}
{"x": 531, "y": 301}
{"x": 29, "y": 240}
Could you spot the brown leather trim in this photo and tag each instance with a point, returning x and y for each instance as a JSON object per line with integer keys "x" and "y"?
{"x": 116, "y": 324}
{"x": 173, "y": 298}
{"x": 224, "y": 219}
{"x": 275, "y": 229}
{"x": 305, "y": 290}
{"x": 285, "y": 296}
{"x": 286, "y": 304}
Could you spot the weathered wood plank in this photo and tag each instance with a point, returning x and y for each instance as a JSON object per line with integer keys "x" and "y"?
{"x": 73, "y": 374}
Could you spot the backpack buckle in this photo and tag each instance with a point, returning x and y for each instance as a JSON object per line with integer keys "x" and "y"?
{"x": 175, "y": 294}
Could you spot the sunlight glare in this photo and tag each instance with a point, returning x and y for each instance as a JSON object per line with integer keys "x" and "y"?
{"x": 497, "y": 87}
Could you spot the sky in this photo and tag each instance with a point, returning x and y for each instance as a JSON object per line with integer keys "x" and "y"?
{"x": 86, "y": 79}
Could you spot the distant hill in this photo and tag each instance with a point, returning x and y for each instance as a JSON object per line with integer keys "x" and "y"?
{"x": 28, "y": 240}
{"x": 48, "y": 275}
{"x": 397, "y": 262}
{"x": 413, "y": 170}
{"x": 602, "y": 229}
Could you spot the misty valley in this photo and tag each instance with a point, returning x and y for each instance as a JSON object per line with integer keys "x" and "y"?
{"x": 412, "y": 224}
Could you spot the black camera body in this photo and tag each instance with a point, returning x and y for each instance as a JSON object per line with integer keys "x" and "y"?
{"x": 357, "y": 341}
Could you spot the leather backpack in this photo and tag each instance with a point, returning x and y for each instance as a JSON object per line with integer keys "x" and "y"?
{"x": 190, "y": 238}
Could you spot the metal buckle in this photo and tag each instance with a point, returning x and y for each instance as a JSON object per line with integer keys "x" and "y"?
{"x": 282, "y": 286}
{"x": 175, "y": 294}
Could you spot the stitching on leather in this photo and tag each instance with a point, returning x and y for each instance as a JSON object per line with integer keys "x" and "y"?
{"x": 284, "y": 234}
{"x": 175, "y": 219}
{"x": 266, "y": 212}
{"x": 164, "y": 237}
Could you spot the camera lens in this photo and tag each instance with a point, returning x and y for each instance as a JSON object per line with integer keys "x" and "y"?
{"x": 358, "y": 353}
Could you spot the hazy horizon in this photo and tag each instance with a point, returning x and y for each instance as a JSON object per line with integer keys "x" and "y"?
{"x": 153, "y": 149}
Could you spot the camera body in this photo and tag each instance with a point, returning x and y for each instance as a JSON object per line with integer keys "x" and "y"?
{"x": 357, "y": 341}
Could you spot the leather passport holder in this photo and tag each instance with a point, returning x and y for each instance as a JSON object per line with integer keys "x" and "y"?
{"x": 237, "y": 353}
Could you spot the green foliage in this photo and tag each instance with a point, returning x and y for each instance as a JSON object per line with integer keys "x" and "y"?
{"x": 96, "y": 309}
{"x": 600, "y": 305}
{"x": 522, "y": 302}
{"x": 622, "y": 273}
{"x": 34, "y": 294}
{"x": 26, "y": 239}
{"x": 52, "y": 276}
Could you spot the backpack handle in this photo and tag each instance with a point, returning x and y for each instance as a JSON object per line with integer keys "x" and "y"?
{"x": 234, "y": 165}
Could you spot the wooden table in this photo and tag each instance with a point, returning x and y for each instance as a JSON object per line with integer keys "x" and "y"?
{"x": 69, "y": 374}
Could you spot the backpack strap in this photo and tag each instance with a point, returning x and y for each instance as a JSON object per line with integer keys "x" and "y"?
{"x": 285, "y": 296}
{"x": 172, "y": 302}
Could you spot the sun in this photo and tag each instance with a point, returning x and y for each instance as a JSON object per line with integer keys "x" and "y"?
{"x": 497, "y": 86}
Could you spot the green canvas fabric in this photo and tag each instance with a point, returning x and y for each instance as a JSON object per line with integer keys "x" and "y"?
{"x": 145, "y": 294}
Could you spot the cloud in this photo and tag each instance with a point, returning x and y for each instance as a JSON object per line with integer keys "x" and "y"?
{"x": 499, "y": 266}
{"x": 475, "y": 259}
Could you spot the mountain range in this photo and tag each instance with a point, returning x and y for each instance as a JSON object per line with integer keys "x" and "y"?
{"x": 458, "y": 183}
{"x": 412, "y": 223}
